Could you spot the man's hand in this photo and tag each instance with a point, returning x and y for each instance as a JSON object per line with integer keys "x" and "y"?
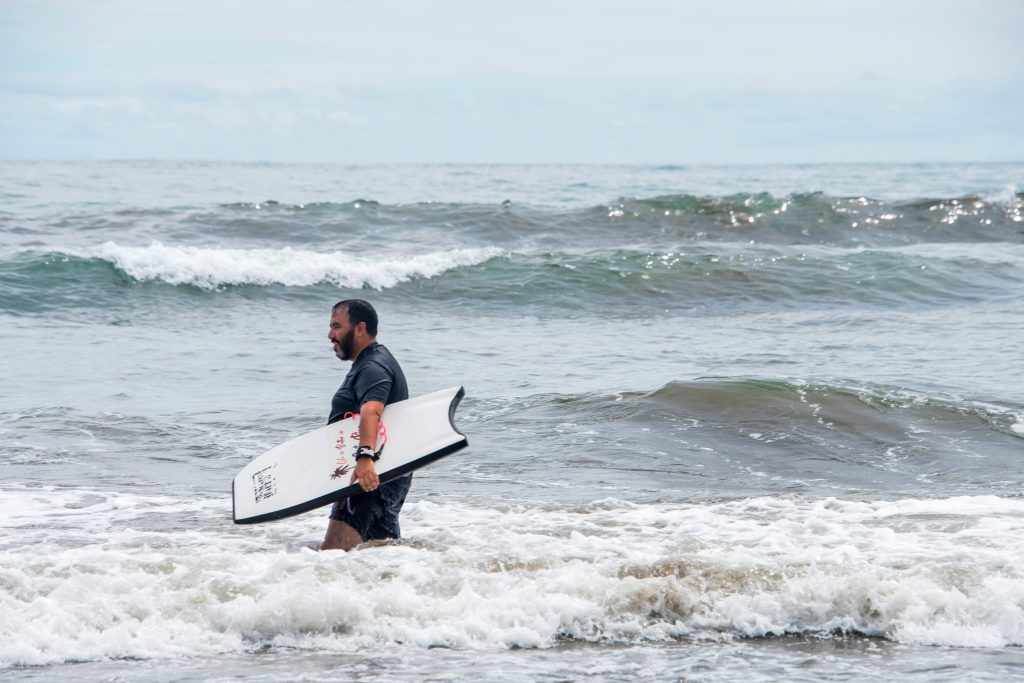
{"x": 369, "y": 423}
{"x": 366, "y": 474}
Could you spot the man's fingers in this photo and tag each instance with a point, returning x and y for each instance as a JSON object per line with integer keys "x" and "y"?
{"x": 366, "y": 476}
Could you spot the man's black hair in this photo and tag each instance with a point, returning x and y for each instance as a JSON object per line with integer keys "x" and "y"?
{"x": 359, "y": 311}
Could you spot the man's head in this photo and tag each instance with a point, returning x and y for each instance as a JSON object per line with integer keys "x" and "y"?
{"x": 353, "y": 327}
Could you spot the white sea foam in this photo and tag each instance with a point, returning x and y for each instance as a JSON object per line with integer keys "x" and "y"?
{"x": 1005, "y": 197}
{"x": 210, "y": 268}
{"x": 92, "y": 575}
{"x": 1018, "y": 424}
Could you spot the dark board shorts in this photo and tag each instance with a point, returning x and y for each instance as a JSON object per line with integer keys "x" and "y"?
{"x": 375, "y": 514}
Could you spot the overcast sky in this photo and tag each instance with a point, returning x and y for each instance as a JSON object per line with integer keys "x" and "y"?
{"x": 578, "y": 81}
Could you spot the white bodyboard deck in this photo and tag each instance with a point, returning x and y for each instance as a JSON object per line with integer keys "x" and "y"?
{"x": 314, "y": 469}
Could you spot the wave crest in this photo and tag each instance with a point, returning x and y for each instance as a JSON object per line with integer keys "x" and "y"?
{"x": 213, "y": 268}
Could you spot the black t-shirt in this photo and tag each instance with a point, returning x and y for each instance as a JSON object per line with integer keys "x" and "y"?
{"x": 374, "y": 376}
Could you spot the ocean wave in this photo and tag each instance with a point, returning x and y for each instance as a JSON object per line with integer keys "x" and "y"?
{"x": 714, "y": 437}
{"x": 796, "y": 405}
{"x": 833, "y": 398}
{"x": 800, "y": 218}
{"x": 817, "y": 218}
{"x": 210, "y": 268}
{"x": 313, "y": 207}
{"x": 926, "y": 571}
{"x": 733, "y": 210}
{"x": 730, "y": 277}
{"x": 676, "y": 219}
{"x": 735, "y": 279}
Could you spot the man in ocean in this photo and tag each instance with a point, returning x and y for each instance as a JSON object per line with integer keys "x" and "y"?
{"x": 374, "y": 380}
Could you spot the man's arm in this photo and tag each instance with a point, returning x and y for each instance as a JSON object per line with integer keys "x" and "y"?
{"x": 369, "y": 423}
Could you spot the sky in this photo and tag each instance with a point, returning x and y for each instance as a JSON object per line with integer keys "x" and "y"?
{"x": 500, "y": 81}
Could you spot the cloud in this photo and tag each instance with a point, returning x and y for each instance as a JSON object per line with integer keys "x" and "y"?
{"x": 459, "y": 80}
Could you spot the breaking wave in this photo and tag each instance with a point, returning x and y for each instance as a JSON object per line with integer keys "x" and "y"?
{"x": 924, "y": 571}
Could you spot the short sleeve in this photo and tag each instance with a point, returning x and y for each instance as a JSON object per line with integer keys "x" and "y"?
{"x": 373, "y": 384}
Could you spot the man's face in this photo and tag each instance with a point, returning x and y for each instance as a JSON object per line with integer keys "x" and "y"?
{"x": 342, "y": 334}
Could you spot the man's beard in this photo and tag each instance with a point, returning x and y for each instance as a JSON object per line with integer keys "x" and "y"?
{"x": 345, "y": 344}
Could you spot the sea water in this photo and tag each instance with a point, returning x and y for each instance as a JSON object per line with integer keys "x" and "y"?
{"x": 752, "y": 421}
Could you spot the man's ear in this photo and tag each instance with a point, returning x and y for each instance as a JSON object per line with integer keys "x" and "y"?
{"x": 361, "y": 328}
